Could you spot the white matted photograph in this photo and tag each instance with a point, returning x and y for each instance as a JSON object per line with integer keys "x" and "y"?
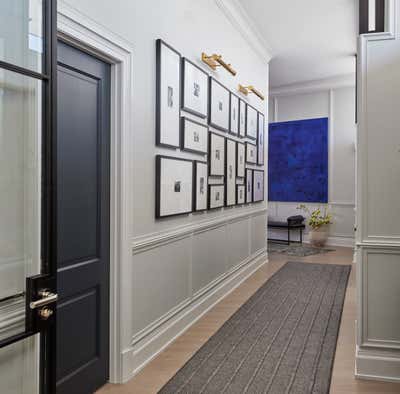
{"x": 240, "y": 160}
{"x": 194, "y": 136}
{"x": 194, "y": 89}
{"x": 234, "y": 114}
{"x": 216, "y": 155}
{"x": 251, "y": 122}
{"x": 201, "y": 186}
{"x": 240, "y": 194}
{"x": 242, "y": 119}
{"x": 249, "y": 185}
{"x": 261, "y": 140}
{"x": 168, "y": 95}
{"x": 251, "y": 153}
{"x": 258, "y": 185}
{"x": 230, "y": 183}
{"x": 219, "y": 115}
{"x": 174, "y": 186}
{"x": 216, "y": 196}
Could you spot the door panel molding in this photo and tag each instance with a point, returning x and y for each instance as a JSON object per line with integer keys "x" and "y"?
{"x": 82, "y": 32}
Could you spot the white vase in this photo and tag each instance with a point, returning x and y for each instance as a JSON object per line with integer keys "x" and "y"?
{"x": 319, "y": 236}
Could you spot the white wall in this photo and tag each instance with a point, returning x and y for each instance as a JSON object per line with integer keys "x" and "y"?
{"x": 178, "y": 266}
{"x": 317, "y": 100}
{"x": 378, "y": 209}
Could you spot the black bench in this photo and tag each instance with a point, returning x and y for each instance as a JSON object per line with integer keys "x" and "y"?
{"x": 292, "y": 223}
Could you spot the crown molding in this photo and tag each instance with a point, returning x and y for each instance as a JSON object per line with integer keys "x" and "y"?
{"x": 340, "y": 81}
{"x": 242, "y": 22}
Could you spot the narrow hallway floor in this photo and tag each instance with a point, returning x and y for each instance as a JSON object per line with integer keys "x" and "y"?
{"x": 167, "y": 363}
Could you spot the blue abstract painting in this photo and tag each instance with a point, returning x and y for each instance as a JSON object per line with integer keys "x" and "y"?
{"x": 298, "y": 161}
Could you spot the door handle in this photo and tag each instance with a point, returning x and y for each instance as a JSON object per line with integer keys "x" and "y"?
{"x": 47, "y": 298}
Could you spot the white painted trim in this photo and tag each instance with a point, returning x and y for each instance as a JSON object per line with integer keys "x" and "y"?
{"x": 242, "y": 22}
{"x": 152, "y": 341}
{"x": 150, "y": 241}
{"x": 331, "y": 156}
{"x": 317, "y": 85}
{"x": 82, "y": 31}
{"x": 375, "y": 365}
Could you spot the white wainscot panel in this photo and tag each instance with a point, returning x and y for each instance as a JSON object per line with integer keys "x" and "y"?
{"x": 381, "y": 297}
{"x": 209, "y": 257}
{"x": 258, "y": 234}
{"x": 160, "y": 281}
{"x": 237, "y": 245}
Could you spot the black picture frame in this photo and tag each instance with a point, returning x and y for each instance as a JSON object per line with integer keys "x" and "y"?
{"x": 249, "y": 180}
{"x": 159, "y": 140}
{"x": 210, "y": 104}
{"x": 195, "y": 164}
{"x": 253, "y": 182}
{"x": 184, "y": 147}
{"x": 242, "y": 113}
{"x": 238, "y": 187}
{"x": 185, "y": 60}
{"x": 231, "y": 95}
{"x": 210, "y": 151}
{"x": 158, "y": 187}
{"x": 239, "y": 175}
{"x": 260, "y": 139}
{"x": 210, "y": 187}
{"x": 255, "y": 157}
{"x": 227, "y": 141}
{"x": 247, "y": 122}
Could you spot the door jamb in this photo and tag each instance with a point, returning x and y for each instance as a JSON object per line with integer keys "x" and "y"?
{"x": 84, "y": 33}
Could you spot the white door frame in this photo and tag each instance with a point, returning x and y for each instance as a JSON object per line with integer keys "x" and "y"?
{"x": 81, "y": 31}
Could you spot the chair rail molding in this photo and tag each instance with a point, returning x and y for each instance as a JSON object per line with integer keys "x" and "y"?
{"x": 146, "y": 242}
{"x": 83, "y": 32}
{"x": 243, "y": 23}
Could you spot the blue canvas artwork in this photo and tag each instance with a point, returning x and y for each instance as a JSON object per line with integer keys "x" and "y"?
{"x": 298, "y": 161}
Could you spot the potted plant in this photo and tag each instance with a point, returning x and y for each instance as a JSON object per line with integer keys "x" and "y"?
{"x": 319, "y": 222}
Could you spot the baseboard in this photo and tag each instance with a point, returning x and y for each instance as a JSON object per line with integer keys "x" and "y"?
{"x": 371, "y": 365}
{"x": 141, "y": 353}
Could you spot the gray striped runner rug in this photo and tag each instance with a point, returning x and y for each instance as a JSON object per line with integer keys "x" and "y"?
{"x": 281, "y": 341}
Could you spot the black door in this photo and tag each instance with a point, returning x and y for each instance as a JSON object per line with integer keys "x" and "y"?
{"x": 83, "y": 212}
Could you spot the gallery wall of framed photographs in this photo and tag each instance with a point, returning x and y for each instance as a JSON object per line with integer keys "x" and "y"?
{"x": 195, "y": 113}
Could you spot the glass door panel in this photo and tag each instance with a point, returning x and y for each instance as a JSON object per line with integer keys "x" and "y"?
{"x": 20, "y": 177}
{"x": 19, "y": 367}
{"x": 21, "y": 33}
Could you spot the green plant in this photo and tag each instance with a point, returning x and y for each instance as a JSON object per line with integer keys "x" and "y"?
{"x": 316, "y": 217}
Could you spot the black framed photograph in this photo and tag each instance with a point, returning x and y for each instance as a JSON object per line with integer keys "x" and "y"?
{"x": 230, "y": 170}
{"x": 251, "y": 122}
{"x": 258, "y": 185}
{"x": 249, "y": 185}
{"x": 194, "y": 136}
{"x": 200, "y": 180}
{"x": 194, "y": 89}
{"x": 168, "y": 95}
{"x": 251, "y": 153}
{"x": 216, "y": 196}
{"x": 234, "y": 114}
{"x": 219, "y": 115}
{"x": 260, "y": 140}
{"x": 240, "y": 194}
{"x": 240, "y": 159}
{"x": 216, "y": 155}
{"x": 242, "y": 119}
{"x": 174, "y": 186}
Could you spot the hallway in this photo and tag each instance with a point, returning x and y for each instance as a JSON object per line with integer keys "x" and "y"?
{"x": 166, "y": 364}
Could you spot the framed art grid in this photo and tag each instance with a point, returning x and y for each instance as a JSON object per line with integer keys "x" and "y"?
{"x": 194, "y": 136}
{"x": 216, "y": 196}
{"x": 230, "y": 171}
{"x": 216, "y": 154}
{"x": 234, "y": 114}
{"x": 251, "y": 122}
{"x": 258, "y": 185}
{"x": 200, "y": 183}
{"x": 219, "y": 116}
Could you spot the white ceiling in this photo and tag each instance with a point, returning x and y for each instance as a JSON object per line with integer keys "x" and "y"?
{"x": 309, "y": 39}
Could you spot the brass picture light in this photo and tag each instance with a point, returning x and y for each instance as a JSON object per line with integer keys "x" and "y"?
{"x": 250, "y": 89}
{"x": 215, "y": 61}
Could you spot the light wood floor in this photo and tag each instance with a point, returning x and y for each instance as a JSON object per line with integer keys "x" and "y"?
{"x": 163, "y": 367}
